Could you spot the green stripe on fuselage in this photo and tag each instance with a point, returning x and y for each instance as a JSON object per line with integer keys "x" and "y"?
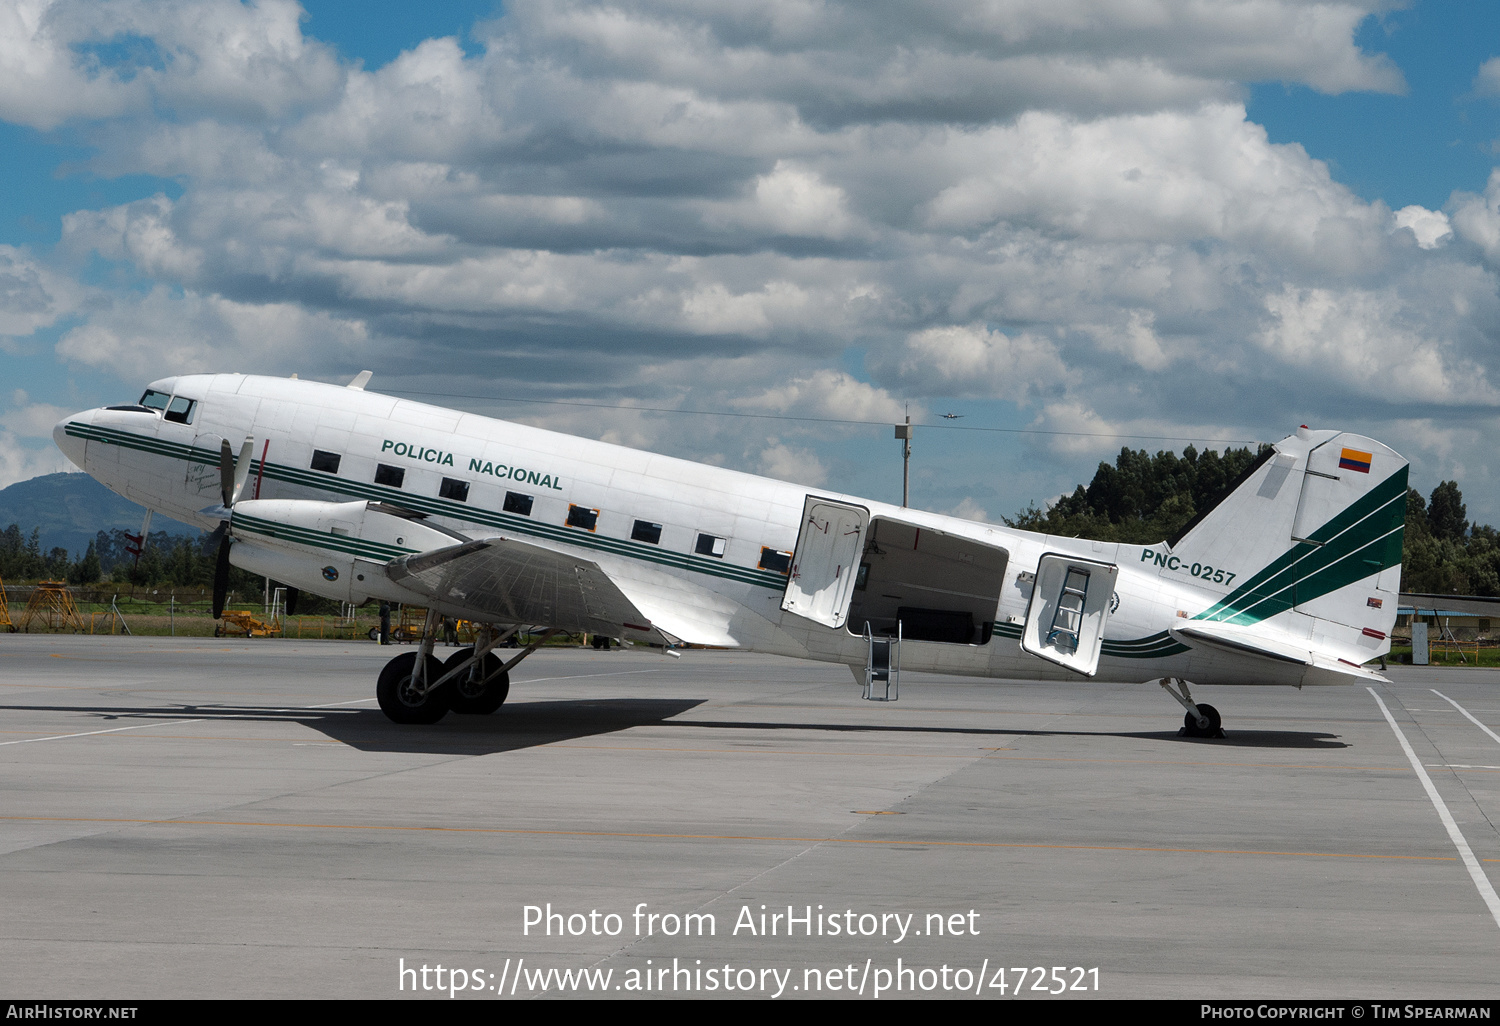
{"x": 319, "y": 481}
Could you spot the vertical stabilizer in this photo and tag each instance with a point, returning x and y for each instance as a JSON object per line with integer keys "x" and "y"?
{"x": 1317, "y": 531}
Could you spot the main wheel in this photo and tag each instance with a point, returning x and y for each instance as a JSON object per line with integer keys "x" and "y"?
{"x": 476, "y": 693}
{"x": 1190, "y": 726}
{"x": 400, "y": 701}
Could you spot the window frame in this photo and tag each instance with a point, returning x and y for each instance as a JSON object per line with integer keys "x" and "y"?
{"x": 576, "y": 514}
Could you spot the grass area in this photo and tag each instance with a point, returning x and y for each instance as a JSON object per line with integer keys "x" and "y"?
{"x": 1448, "y": 655}
{"x": 195, "y": 620}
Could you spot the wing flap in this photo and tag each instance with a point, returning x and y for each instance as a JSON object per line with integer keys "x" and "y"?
{"x": 511, "y": 581}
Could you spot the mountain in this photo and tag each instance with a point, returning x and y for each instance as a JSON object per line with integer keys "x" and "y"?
{"x": 71, "y": 508}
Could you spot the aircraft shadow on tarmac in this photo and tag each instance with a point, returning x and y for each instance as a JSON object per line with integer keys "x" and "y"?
{"x": 521, "y": 725}
{"x": 516, "y": 726}
{"x": 1232, "y": 738}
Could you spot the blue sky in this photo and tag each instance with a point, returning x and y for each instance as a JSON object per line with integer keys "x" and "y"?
{"x": 1415, "y": 147}
{"x": 1066, "y": 223}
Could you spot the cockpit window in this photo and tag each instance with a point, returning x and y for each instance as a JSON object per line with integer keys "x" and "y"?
{"x": 180, "y": 410}
{"x": 155, "y": 400}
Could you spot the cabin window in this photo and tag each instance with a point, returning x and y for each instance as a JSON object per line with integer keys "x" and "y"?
{"x": 710, "y": 545}
{"x": 385, "y": 474}
{"x": 582, "y": 516}
{"x": 453, "y": 489}
{"x": 180, "y": 410}
{"x": 515, "y": 502}
{"x": 328, "y": 462}
{"x": 646, "y": 531}
{"x": 155, "y": 400}
{"x": 775, "y": 559}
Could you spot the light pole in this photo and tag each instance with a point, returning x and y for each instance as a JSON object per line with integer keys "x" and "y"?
{"x": 903, "y": 435}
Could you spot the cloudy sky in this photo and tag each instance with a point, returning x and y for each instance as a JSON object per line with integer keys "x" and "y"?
{"x": 1081, "y": 224}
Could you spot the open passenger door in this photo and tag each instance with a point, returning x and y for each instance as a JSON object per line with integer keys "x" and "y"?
{"x": 826, "y": 561}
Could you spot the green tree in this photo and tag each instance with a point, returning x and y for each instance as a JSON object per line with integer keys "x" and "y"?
{"x": 86, "y": 569}
{"x": 1445, "y": 512}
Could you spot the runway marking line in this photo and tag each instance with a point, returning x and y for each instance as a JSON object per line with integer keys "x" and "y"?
{"x": 88, "y": 733}
{"x": 1472, "y": 719}
{"x": 729, "y": 837}
{"x": 1466, "y": 854}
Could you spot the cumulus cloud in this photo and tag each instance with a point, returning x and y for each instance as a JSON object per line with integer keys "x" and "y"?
{"x": 974, "y": 360}
{"x": 1430, "y": 228}
{"x": 827, "y": 393}
{"x": 1363, "y": 340}
{"x": 806, "y": 209}
{"x": 1487, "y": 81}
{"x": 28, "y": 419}
{"x": 145, "y": 337}
{"x": 785, "y": 463}
{"x": 32, "y": 295}
{"x": 85, "y": 59}
{"x": 20, "y": 462}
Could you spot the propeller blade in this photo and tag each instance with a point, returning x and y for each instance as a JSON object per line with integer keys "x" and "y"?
{"x": 221, "y": 577}
{"x": 242, "y": 469}
{"x": 226, "y": 472}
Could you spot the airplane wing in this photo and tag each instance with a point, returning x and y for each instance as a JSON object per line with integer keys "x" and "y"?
{"x": 512, "y": 581}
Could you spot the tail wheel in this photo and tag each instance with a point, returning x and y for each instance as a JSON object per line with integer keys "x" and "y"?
{"x": 1190, "y": 726}
{"x": 400, "y": 699}
{"x": 482, "y": 689}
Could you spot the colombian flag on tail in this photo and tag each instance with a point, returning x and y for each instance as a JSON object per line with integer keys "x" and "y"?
{"x": 1353, "y": 459}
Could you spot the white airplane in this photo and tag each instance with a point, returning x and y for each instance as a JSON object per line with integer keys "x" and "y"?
{"x": 1291, "y": 579}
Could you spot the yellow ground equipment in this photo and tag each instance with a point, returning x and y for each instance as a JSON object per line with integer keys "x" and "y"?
{"x": 242, "y": 621}
{"x": 51, "y": 608}
{"x": 5, "y": 609}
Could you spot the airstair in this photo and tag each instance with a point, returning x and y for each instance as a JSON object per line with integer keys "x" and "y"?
{"x": 882, "y": 666}
{"x": 1067, "y": 621}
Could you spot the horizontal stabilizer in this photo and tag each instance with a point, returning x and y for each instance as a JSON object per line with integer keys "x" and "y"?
{"x": 1321, "y": 668}
{"x": 1221, "y": 635}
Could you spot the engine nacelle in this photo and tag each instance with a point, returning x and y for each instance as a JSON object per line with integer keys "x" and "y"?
{"x": 334, "y": 549}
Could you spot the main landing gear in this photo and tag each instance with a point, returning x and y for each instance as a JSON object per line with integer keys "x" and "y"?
{"x": 1201, "y": 720}
{"x": 415, "y": 687}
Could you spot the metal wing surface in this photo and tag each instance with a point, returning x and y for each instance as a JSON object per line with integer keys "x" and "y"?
{"x": 509, "y": 581}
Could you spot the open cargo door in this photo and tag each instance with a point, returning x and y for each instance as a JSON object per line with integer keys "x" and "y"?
{"x": 1070, "y": 602}
{"x": 826, "y": 560}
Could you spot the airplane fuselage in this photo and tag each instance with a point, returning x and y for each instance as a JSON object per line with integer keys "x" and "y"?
{"x": 710, "y": 543}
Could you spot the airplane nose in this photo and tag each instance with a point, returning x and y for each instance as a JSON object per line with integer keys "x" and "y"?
{"x": 72, "y": 445}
